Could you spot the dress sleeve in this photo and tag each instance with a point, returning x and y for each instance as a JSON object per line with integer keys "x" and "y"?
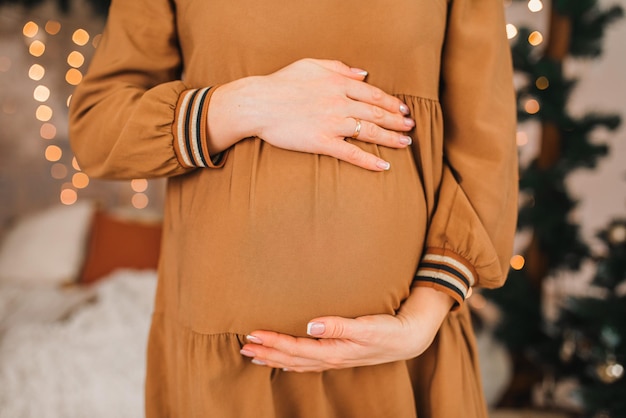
{"x": 132, "y": 116}
{"x": 470, "y": 236}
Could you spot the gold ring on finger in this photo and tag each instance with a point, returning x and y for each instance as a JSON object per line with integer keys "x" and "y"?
{"x": 357, "y": 128}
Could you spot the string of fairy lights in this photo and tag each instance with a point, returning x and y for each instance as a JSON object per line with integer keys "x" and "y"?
{"x": 36, "y": 35}
{"x": 70, "y": 175}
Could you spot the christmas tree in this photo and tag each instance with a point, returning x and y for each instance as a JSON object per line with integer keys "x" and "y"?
{"x": 592, "y": 332}
{"x": 576, "y": 30}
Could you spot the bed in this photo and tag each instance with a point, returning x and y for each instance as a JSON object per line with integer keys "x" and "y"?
{"x": 76, "y": 291}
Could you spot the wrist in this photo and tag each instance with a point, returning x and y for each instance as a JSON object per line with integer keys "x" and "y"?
{"x": 425, "y": 305}
{"x": 233, "y": 114}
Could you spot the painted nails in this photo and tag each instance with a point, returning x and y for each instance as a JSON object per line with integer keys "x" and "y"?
{"x": 318, "y": 328}
{"x": 253, "y": 339}
{"x": 404, "y": 109}
{"x": 383, "y": 165}
{"x": 406, "y": 140}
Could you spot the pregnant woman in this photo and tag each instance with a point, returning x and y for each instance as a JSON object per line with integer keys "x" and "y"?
{"x": 340, "y": 174}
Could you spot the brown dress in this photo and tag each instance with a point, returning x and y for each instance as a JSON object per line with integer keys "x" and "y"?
{"x": 269, "y": 238}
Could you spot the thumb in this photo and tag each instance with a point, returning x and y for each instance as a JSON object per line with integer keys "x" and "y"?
{"x": 334, "y": 327}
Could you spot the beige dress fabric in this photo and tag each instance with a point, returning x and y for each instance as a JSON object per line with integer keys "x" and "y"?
{"x": 269, "y": 238}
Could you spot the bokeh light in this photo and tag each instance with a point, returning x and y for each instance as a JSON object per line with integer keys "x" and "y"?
{"x": 37, "y": 48}
{"x": 80, "y": 180}
{"x": 535, "y": 38}
{"x": 53, "y": 153}
{"x": 75, "y": 59}
{"x": 52, "y": 27}
{"x": 30, "y": 29}
{"x": 41, "y": 93}
{"x": 68, "y": 196}
{"x": 517, "y": 262}
{"x": 140, "y": 200}
{"x": 43, "y": 113}
{"x": 58, "y": 171}
{"x": 531, "y": 106}
{"x": 139, "y": 185}
{"x": 535, "y": 6}
{"x": 48, "y": 131}
{"x": 36, "y": 72}
{"x": 521, "y": 138}
{"x": 80, "y": 37}
{"x": 542, "y": 83}
{"x": 511, "y": 31}
{"x": 75, "y": 164}
{"x": 73, "y": 76}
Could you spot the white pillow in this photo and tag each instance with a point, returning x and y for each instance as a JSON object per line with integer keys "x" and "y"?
{"x": 47, "y": 247}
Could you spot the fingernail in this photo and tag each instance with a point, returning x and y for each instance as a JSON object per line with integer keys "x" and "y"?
{"x": 253, "y": 339}
{"x": 406, "y": 140}
{"x": 286, "y": 369}
{"x": 359, "y": 71}
{"x": 384, "y": 165}
{"x": 404, "y": 109}
{"x": 247, "y": 353}
{"x": 259, "y": 362}
{"x": 409, "y": 122}
{"x": 315, "y": 328}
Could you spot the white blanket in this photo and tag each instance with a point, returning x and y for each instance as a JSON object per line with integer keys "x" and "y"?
{"x": 91, "y": 363}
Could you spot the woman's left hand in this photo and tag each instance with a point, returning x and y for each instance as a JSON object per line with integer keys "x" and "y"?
{"x": 343, "y": 342}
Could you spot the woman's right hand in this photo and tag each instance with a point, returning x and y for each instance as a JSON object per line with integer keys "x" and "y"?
{"x": 310, "y": 106}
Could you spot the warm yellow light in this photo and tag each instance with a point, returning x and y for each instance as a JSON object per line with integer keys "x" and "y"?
{"x": 75, "y": 59}
{"x": 511, "y": 31}
{"x": 75, "y": 164}
{"x": 36, "y": 72}
{"x": 140, "y": 200}
{"x": 48, "y": 131}
{"x": 68, "y": 196}
{"x": 53, "y": 153}
{"x": 80, "y": 37}
{"x": 5, "y": 64}
{"x": 37, "y": 48}
{"x": 41, "y": 93}
{"x": 43, "y": 113}
{"x": 73, "y": 76}
{"x": 139, "y": 185}
{"x": 80, "y": 180}
{"x": 531, "y": 106}
{"x": 96, "y": 40}
{"x": 535, "y": 38}
{"x": 68, "y": 101}
{"x": 542, "y": 83}
{"x": 53, "y": 27}
{"x": 521, "y": 138}
{"x": 58, "y": 171}
{"x": 535, "y": 6}
{"x": 517, "y": 262}
{"x": 30, "y": 29}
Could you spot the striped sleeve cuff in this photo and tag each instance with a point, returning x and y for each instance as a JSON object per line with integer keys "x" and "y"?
{"x": 190, "y": 130}
{"x": 446, "y": 271}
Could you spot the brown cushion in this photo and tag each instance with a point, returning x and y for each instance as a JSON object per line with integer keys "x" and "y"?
{"x": 120, "y": 243}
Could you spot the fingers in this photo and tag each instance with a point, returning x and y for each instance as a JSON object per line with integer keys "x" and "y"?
{"x": 366, "y": 93}
{"x": 373, "y": 133}
{"x": 341, "y": 68}
{"x": 301, "y": 354}
{"x": 352, "y": 154}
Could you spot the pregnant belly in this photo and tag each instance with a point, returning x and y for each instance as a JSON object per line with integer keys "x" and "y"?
{"x": 276, "y": 238}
